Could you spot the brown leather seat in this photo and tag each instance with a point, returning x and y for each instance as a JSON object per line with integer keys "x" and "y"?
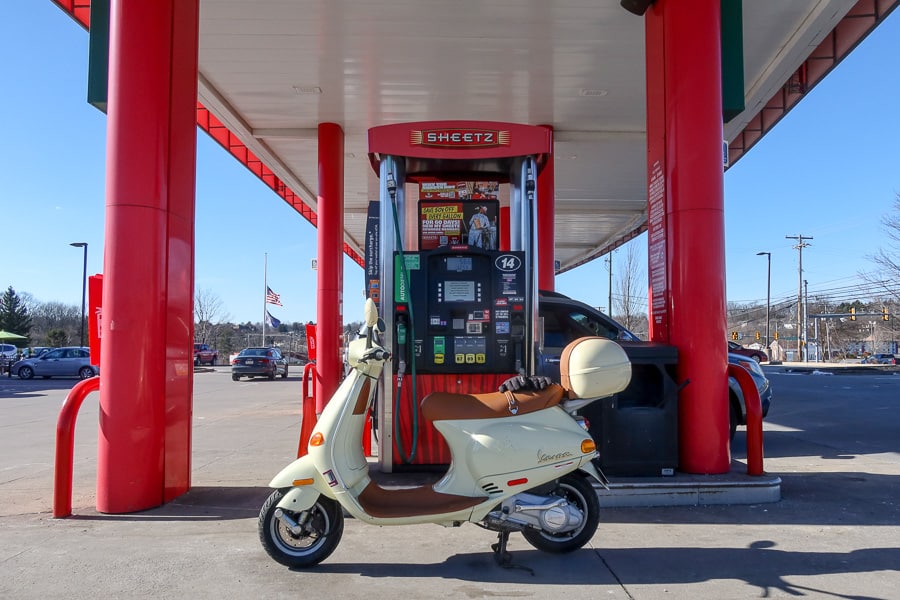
{"x": 443, "y": 406}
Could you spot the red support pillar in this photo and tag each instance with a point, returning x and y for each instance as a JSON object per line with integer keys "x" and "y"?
{"x": 330, "y": 226}
{"x": 146, "y": 377}
{"x": 504, "y": 228}
{"x": 686, "y": 219}
{"x": 545, "y": 221}
{"x": 182, "y": 172}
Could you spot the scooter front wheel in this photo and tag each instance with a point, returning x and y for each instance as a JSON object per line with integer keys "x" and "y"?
{"x": 578, "y": 492}
{"x": 301, "y": 539}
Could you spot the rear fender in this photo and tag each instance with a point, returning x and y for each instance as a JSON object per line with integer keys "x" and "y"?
{"x": 592, "y": 471}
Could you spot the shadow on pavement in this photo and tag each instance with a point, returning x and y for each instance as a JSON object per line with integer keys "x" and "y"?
{"x": 199, "y": 504}
{"x": 760, "y": 564}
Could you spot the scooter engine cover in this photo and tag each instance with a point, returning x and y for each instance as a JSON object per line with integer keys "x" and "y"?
{"x": 560, "y": 518}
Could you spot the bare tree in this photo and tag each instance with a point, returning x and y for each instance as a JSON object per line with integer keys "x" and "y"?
{"x": 53, "y": 315}
{"x": 629, "y": 289}
{"x": 888, "y": 258}
{"x": 55, "y": 318}
{"x": 208, "y": 315}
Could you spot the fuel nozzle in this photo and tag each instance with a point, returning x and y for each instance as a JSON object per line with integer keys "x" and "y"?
{"x": 391, "y": 185}
{"x": 401, "y": 345}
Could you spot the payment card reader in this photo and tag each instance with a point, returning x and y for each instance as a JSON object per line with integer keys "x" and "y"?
{"x": 469, "y": 310}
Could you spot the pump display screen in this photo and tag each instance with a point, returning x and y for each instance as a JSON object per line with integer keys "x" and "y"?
{"x": 459, "y": 291}
{"x": 459, "y": 264}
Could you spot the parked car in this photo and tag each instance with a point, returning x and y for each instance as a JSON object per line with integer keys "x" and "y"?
{"x": 882, "y": 359}
{"x": 204, "y": 354}
{"x": 259, "y": 362}
{"x": 757, "y": 355}
{"x": 566, "y": 320}
{"x": 71, "y": 361}
{"x": 8, "y": 352}
{"x": 35, "y": 351}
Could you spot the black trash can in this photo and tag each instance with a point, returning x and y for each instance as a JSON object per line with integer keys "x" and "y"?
{"x": 636, "y": 430}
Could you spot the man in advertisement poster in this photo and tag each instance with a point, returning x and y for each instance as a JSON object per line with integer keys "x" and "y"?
{"x": 479, "y": 225}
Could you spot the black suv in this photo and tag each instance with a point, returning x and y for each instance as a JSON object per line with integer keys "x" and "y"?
{"x": 566, "y": 320}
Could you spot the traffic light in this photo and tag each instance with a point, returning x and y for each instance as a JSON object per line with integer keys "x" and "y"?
{"x": 884, "y": 313}
{"x": 757, "y": 336}
{"x": 852, "y": 313}
{"x": 734, "y": 335}
{"x": 776, "y": 336}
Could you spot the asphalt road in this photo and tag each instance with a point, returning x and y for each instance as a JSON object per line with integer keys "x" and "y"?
{"x": 853, "y": 413}
{"x": 833, "y": 439}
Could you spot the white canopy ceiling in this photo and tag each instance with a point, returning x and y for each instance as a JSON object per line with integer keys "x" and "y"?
{"x": 272, "y": 70}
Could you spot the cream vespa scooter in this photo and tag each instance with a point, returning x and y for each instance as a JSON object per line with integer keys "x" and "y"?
{"x": 520, "y": 461}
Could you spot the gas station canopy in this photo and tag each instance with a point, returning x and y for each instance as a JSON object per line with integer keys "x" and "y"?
{"x": 272, "y": 71}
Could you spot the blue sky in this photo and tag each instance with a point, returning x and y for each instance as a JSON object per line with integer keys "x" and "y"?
{"x": 829, "y": 170}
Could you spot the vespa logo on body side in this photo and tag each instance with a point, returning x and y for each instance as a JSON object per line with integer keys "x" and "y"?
{"x": 542, "y": 458}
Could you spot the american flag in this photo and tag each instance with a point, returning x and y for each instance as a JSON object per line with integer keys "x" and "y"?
{"x": 272, "y": 297}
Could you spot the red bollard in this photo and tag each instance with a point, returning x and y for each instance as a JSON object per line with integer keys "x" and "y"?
{"x": 308, "y": 415}
{"x": 754, "y": 419}
{"x": 65, "y": 443}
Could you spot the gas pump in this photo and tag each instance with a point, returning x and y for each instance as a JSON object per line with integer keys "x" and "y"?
{"x": 457, "y": 231}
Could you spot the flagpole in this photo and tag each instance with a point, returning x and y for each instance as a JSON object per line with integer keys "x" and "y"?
{"x": 265, "y": 293}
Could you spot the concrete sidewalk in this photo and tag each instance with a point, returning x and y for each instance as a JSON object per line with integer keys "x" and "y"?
{"x": 834, "y": 534}
{"x": 846, "y": 368}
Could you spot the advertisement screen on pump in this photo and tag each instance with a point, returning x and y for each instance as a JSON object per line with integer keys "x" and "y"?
{"x": 459, "y": 190}
{"x": 458, "y": 214}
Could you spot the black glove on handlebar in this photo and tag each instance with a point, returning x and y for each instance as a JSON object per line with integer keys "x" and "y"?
{"x": 523, "y": 382}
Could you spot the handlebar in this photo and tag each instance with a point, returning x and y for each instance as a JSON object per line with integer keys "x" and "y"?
{"x": 375, "y": 353}
{"x": 381, "y": 354}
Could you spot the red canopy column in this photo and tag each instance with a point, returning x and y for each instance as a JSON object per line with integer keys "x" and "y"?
{"x": 147, "y": 322}
{"x": 545, "y": 219}
{"x": 686, "y": 245}
{"x": 330, "y": 227}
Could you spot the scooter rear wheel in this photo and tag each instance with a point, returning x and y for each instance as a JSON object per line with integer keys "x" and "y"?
{"x": 322, "y": 527}
{"x": 578, "y": 491}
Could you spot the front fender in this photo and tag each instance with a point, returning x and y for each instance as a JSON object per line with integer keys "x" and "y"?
{"x": 299, "y": 498}
{"x": 302, "y": 468}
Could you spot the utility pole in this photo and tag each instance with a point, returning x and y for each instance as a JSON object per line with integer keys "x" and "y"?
{"x": 800, "y": 246}
{"x": 806, "y": 321}
{"x": 768, "y": 295}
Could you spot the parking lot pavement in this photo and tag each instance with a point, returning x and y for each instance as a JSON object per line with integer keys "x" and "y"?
{"x": 833, "y": 535}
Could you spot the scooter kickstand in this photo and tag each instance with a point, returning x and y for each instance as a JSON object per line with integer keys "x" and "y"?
{"x": 504, "y": 557}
